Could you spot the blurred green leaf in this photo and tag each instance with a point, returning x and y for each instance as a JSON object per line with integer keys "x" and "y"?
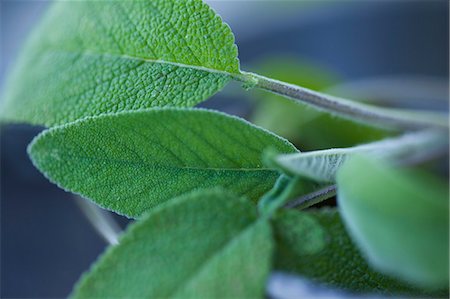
{"x": 208, "y": 244}
{"x": 92, "y": 57}
{"x": 315, "y": 244}
{"x": 306, "y": 127}
{"x": 399, "y": 219}
{"x": 134, "y": 161}
{"x": 300, "y": 232}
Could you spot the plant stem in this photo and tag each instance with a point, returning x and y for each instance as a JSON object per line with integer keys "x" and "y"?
{"x": 312, "y": 198}
{"x": 398, "y": 119}
{"x": 103, "y": 223}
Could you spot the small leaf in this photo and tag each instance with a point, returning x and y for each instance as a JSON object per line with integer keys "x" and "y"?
{"x": 133, "y": 161}
{"x": 399, "y": 219}
{"x": 207, "y": 244}
{"x": 314, "y": 244}
{"x": 92, "y": 57}
{"x": 323, "y": 165}
{"x": 285, "y": 189}
{"x": 300, "y": 232}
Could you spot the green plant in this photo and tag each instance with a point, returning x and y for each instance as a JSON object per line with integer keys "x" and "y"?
{"x": 211, "y": 193}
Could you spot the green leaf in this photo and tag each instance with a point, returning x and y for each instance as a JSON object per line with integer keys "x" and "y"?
{"x": 300, "y": 232}
{"x": 399, "y": 218}
{"x": 133, "y": 161}
{"x": 93, "y": 57}
{"x": 207, "y": 244}
{"x": 323, "y": 165}
{"x": 314, "y": 244}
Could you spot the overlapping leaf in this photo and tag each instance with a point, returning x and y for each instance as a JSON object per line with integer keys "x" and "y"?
{"x": 93, "y": 57}
{"x": 315, "y": 244}
{"x": 399, "y": 218}
{"x": 133, "y": 161}
{"x": 207, "y": 244}
{"x": 323, "y": 165}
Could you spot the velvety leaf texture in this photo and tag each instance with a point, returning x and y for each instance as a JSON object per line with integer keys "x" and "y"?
{"x": 133, "y": 161}
{"x": 399, "y": 218}
{"x": 323, "y": 165}
{"x": 315, "y": 244}
{"x": 93, "y": 57}
{"x": 202, "y": 245}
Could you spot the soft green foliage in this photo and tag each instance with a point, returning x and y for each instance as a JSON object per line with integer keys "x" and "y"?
{"x": 117, "y": 79}
{"x": 399, "y": 218}
{"x": 315, "y": 245}
{"x": 323, "y": 165}
{"x": 300, "y": 232}
{"x": 307, "y": 128}
{"x": 133, "y": 161}
{"x": 93, "y": 57}
{"x": 202, "y": 245}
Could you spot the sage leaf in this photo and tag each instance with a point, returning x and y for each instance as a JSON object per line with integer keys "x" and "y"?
{"x": 207, "y": 244}
{"x": 324, "y": 164}
{"x": 315, "y": 244}
{"x": 399, "y": 218}
{"x": 93, "y": 57}
{"x": 299, "y": 231}
{"x": 133, "y": 161}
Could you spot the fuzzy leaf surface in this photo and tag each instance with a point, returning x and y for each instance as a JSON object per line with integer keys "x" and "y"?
{"x": 399, "y": 218}
{"x": 315, "y": 245}
{"x": 133, "y": 161}
{"x": 93, "y": 57}
{"x": 206, "y": 244}
{"x": 323, "y": 165}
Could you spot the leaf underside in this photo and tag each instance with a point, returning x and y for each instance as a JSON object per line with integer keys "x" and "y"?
{"x": 323, "y": 165}
{"x": 94, "y": 57}
{"x": 206, "y": 244}
{"x": 134, "y": 161}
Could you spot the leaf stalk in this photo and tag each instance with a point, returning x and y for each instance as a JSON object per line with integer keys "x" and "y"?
{"x": 388, "y": 118}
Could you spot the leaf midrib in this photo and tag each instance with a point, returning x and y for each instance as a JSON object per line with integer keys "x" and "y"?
{"x": 236, "y": 76}
{"x": 145, "y": 163}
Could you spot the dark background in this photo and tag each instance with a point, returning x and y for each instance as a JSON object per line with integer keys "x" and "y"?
{"x": 46, "y": 242}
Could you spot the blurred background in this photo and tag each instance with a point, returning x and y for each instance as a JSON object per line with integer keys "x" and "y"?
{"x": 392, "y": 53}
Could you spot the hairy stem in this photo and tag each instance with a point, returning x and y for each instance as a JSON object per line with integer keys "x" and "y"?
{"x": 397, "y": 119}
{"x": 312, "y": 198}
{"x": 103, "y": 222}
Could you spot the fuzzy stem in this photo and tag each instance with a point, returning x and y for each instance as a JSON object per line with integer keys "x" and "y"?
{"x": 398, "y": 119}
{"x": 313, "y": 198}
{"x": 103, "y": 223}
